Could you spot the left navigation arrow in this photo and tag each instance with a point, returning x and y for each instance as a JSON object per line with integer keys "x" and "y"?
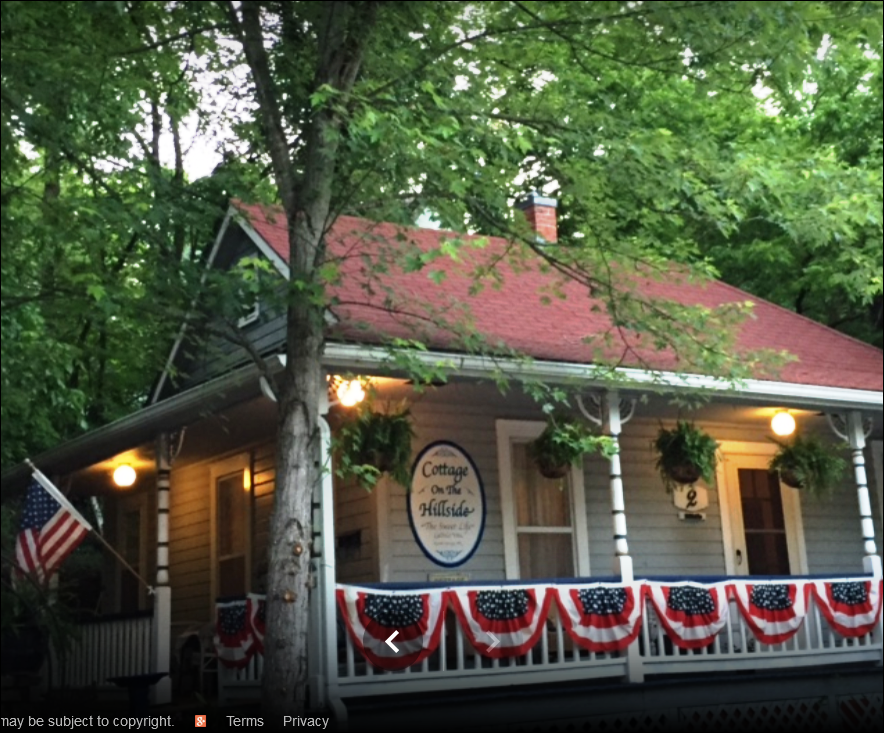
{"x": 389, "y": 641}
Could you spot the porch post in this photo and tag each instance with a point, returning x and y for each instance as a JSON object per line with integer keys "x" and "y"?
{"x": 634, "y": 668}
{"x": 618, "y": 506}
{"x": 856, "y": 436}
{"x": 161, "y": 636}
{"x": 326, "y": 676}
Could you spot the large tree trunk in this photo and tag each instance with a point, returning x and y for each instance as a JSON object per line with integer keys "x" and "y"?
{"x": 306, "y": 194}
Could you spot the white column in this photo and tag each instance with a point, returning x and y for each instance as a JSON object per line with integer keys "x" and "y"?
{"x": 161, "y": 636}
{"x": 618, "y": 506}
{"x": 326, "y": 585}
{"x": 857, "y": 438}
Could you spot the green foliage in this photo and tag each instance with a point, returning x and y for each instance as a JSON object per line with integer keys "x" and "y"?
{"x": 564, "y": 442}
{"x": 805, "y": 462}
{"x": 686, "y": 453}
{"x": 371, "y": 443}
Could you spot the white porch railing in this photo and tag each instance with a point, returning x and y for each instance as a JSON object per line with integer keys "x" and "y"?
{"x": 555, "y": 657}
{"x": 112, "y": 646}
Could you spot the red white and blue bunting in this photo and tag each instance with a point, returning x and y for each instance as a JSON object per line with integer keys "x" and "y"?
{"x": 239, "y": 630}
{"x": 601, "y": 617}
{"x": 256, "y": 605}
{"x": 692, "y": 613}
{"x": 234, "y": 641}
{"x": 515, "y": 616}
{"x": 372, "y": 616}
{"x": 774, "y": 610}
{"x": 852, "y": 607}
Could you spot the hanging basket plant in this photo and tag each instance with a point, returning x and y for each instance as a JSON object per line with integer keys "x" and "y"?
{"x": 372, "y": 443}
{"x": 686, "y": 455}
{"x": 563, "y": 443}
{"x": 807, "y": 463}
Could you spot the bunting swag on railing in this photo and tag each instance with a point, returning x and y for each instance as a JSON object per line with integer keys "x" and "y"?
{"x": 851, "y": 607}
{"x": 502, "y": 622}
{"x": 234, "y": 640}
{"x": 774, "y": 610}
{"x": 256, "y": 604}
{"x": 412, "y": 621}
{"x": 691, "y": 613}
{"x": 601, "y": 617}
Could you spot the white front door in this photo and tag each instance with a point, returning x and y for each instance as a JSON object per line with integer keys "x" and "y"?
{"x": 761, "y": 518}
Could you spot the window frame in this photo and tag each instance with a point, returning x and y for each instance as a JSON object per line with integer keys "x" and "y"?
{"x": 510, "y": 432}
{"x": 219, "y": 470}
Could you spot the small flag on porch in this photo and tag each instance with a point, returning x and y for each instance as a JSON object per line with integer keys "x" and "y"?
{"x": 50, "y": 530}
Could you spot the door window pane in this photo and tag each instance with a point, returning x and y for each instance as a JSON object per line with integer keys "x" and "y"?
{"x": 540, "y": 502}
{"x": 763, "y": 522}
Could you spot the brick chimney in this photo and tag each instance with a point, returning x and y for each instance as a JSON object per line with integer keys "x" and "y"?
{"x": 540, "y": 211}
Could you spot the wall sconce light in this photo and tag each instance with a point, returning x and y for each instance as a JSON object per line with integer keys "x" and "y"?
{"x": 246, "y": 479}
{"x": 124, "y": 476}
{"x": 349, "y": 392}
{"x": 783, "y": 423}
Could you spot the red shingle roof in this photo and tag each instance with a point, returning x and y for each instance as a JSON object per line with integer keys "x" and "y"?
{"x": 516, "y": 316}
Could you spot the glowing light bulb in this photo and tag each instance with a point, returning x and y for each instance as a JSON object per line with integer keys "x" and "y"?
{"x": 124, "y": 476}
{"x": 350, "y": 393}
{"x": 783, "y": 424}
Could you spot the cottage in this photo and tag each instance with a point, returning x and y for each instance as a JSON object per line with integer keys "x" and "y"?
{"x": 484, "y": 582}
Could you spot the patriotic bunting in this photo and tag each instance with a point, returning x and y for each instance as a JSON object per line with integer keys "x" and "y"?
{"x": 851, "y": 607}
{"x": 691, "y": 613}
{"x": 773, "y": 610}
{"x": 514, "y": 617}
{"x": 601, "y": 617}
{"x": 234, "y": 640}
{"x": 372, "y": 616}
{"x": 256, "y": 605}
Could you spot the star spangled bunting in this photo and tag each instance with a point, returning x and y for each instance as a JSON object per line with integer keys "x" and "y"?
{"x": 51, "y": 529}
{"x": 371, "y": 616}
{"x": 691, "y": 613}
{"x": 516, "y": 616}
{"x": 852, "y": 607}
{"x": 601, "y": 617}
{"x": 773, "y": 610}
{"x": 234, "y": 641}
{"x": 256, "y": 605}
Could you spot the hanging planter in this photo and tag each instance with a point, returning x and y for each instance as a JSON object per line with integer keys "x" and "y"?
{"x": 807, "y": 463}
{"x": 686, "y": 454}
{"x": 373, "y": 443}
{"x": 563, "y": 443}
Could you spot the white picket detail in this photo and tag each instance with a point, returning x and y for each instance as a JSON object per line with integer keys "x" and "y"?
{"x": 110, "y": 647}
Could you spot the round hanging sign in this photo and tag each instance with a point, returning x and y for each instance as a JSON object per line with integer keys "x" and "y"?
{"x": 446, "y": 504}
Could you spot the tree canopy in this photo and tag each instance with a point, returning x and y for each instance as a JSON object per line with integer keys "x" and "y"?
{"x": 740, "y": 137}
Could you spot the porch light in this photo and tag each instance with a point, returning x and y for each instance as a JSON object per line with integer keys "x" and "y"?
{"x": 350, "y": 392}
{"x": 246, "y": 479}
{"x": 124, "y": 476}
{"x": 782, "y": 423}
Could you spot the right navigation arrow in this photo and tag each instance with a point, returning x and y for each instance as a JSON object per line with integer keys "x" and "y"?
{"x": 494, "y": 640}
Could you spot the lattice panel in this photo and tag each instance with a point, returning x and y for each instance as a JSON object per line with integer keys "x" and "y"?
{"x": 862, "y": 712}
{"x": 780, "y": 715}
{"x": 637, "y": 722}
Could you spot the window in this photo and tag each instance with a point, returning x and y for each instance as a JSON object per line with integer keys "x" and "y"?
{"x": 231, "y": 528}
{"x": 544, "y": 520}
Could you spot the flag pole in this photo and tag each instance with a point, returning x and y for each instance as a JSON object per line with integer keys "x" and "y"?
{"x": 56, "y": 494}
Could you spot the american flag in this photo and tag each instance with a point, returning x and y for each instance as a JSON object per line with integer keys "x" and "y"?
{"x": 50, "y": 530}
